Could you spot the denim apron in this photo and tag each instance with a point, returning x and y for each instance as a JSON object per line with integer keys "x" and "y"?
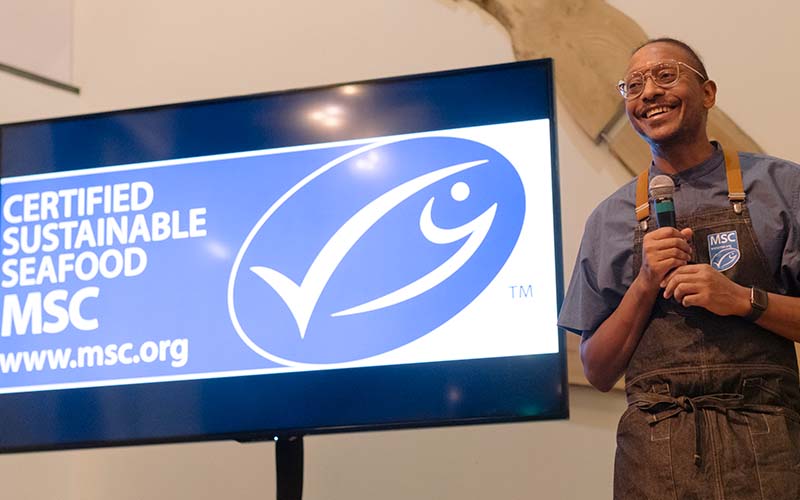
{"x": 712, "y": 400}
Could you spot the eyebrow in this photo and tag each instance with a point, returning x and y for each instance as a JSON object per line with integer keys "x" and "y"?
{"x": 648, "y": 65}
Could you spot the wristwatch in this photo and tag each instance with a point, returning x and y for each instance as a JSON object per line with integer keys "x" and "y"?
{"x": 759, "y": 300}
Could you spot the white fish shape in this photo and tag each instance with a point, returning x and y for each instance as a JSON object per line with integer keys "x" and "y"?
{"x": 476, "y": 229}
{"x": 302, "y": 299}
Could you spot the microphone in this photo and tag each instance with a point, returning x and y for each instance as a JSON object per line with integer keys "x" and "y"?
{"x": 661, "y": 189}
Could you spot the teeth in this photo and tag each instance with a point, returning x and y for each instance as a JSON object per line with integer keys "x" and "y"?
{"x": 656, "y": 111}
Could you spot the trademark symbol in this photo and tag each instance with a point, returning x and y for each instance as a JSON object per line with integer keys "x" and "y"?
{"x": 521, "y": 291}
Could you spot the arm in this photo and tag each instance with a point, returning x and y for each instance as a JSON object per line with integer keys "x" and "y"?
{"x": 782, "y": 316}
{"x": 700, "y": 285}
{"x": 606, "y": 353}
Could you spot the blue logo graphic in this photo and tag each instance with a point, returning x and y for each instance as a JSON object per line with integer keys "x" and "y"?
{"x": 723, "y": 250}
{"x": 375, "y": 249}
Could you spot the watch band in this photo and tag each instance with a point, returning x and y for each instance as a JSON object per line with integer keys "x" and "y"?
{"x": 759, "y": 300}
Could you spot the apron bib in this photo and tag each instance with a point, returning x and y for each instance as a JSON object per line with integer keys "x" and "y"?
{"x": 712, "y": 400}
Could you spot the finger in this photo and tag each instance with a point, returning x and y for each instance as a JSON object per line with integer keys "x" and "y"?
{"x": 673, "y": 263}
{"x": 691, "y": 300}
{"x": 690, "y": 273}
{"x": 664, "y": 232}
{"x": 671, "y": 243}
{"x": 689, "y": 294}
{"x": 670, "y": 286}
{"x": 669, "y": 290}
{"x": 673, "y": 236}
{"x": 666, "y": 246}
{"x": 673, "y": 253}
{"x": 676, "y": 278}
{"x": 665, "y": 282}
{"x": 691, "y": 270}
{"x": 668, "y": 236}
{"x": 684, "y": 290}
{"x": 661, "y": 268}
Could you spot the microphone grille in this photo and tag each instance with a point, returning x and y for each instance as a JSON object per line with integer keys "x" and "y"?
{"x": 661, "y": 186}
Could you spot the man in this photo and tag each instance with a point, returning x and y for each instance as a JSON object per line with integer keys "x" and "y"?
{"x": 701, "y": 318}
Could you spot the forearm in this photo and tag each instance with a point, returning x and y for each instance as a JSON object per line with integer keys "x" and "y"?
{"x": 606, "y": 354}
{"x": 782, "y": 316}
{"x": 701, "y": 286}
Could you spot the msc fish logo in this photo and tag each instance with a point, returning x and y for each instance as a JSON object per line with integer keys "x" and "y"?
{"x": 723, "y": 250}
{"x": 375, "y": 249}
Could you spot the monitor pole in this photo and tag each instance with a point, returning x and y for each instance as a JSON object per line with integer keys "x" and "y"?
{"x": 289, "y": 467}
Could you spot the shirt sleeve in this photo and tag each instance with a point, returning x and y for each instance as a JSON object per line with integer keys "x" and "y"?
{"x": 790, "y": 262}
{"x": 604, "y": 267}
{"x": 775, "y": 208}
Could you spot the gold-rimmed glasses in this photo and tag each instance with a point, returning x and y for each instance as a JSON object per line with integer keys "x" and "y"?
{"x": 665, "y": 74}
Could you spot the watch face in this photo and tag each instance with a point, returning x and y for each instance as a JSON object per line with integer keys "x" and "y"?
{"x": 759, "y": 299}
{"x": 758, "y": 303}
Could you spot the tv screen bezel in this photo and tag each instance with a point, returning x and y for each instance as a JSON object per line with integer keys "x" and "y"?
{"x": 74, "y": 415}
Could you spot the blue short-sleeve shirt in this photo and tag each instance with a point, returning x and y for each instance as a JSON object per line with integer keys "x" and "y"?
{"x": 604, "y": 271}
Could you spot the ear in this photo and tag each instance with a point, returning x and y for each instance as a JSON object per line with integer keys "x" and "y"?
{"x": 709, "y": 94}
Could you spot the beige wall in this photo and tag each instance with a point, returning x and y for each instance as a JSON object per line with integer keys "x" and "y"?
{"x": 750, "y": 49}
{"x": 37, "y": 37}
{"x": 151, "y": 52}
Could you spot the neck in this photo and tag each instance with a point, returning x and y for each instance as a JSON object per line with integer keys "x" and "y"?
{"x": 675, "y": 158}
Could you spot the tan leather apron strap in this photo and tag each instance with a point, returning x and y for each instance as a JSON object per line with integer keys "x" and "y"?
{"x": 733, "y": 170}
{"x": 642, "y": 198}
{"x": 736, "y": 194}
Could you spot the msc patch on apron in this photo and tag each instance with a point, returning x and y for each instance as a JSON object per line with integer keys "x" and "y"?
{"x": 723, "y": 250}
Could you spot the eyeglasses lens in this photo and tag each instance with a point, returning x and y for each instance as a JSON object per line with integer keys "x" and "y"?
{"x": 663, "y": 75}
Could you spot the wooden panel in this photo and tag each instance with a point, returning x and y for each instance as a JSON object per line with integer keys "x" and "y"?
{"x": 590, "y": 42}
{"x": 628, "y": 147}
{"x": 723, "y": 129}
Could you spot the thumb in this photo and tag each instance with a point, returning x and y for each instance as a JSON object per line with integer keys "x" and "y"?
{"x": 687, "y": 233}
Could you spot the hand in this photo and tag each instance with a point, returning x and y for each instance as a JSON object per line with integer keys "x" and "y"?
{"x": 663, "y": 250}
{"x": 702, "y": 286}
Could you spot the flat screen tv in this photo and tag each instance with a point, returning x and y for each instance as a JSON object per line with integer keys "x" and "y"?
{"x": 372, "y": 255}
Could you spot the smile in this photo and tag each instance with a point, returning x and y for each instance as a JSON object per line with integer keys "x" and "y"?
{"x": 656, "y": 111}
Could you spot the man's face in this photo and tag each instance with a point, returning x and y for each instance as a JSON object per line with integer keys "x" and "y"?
{"x": 665, "y": 116}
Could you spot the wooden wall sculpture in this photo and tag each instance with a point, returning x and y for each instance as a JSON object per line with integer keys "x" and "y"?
{"x": 590, "y": 42}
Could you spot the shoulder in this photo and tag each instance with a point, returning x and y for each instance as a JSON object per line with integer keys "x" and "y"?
{"x": 761, "y": 166}
{"x": 616, "y": 209}
{"x": 609, "y": 231}
{"x": 766, "y": 175}
{"x": 603, "y": 269}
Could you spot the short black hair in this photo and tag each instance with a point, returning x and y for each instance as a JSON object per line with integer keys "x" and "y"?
{"x": 685, "y": 46}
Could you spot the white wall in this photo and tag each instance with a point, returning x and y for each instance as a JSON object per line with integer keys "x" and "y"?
{"x": 148, "y": 52}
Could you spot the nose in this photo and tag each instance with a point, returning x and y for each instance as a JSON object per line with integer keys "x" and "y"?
{"x": 650, "y": 88}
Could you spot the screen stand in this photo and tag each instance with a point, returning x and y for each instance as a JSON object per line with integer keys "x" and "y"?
{"x": 289, "y": 467}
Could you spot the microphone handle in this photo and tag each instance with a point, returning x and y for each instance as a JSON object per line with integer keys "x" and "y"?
{"x": 665, "y": 212}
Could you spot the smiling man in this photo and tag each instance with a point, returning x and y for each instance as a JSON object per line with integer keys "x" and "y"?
{"x": 701, "y": 318}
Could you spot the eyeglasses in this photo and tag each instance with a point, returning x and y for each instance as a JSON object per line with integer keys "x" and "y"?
{"x": 664, "y": 74}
